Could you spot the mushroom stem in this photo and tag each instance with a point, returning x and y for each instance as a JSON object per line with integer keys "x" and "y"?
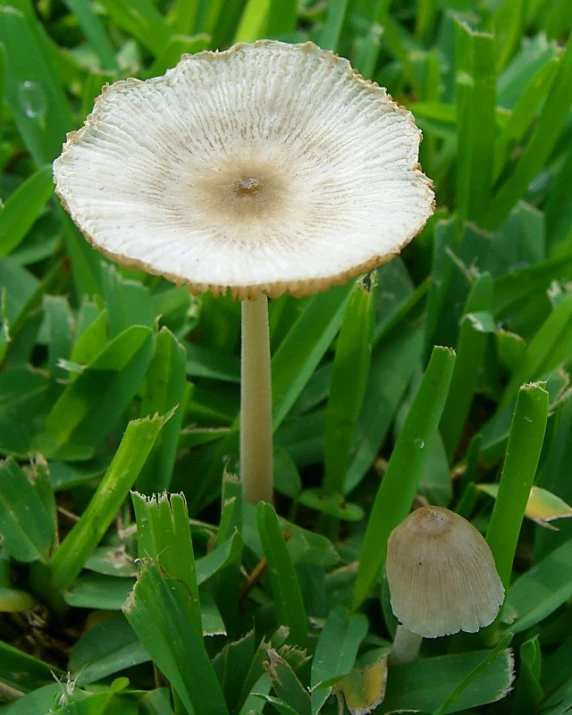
{"x": 406, "y": 646}
{"x": 256, "y": 403}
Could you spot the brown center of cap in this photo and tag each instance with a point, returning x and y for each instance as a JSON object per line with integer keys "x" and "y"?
{"x": 249, "y": 186}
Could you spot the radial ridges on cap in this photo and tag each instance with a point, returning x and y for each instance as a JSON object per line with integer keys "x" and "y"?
{"x": 441, "y": 574}
{"x": 267, "y": 168}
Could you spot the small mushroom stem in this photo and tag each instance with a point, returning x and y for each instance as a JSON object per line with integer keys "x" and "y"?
{"x": 256, "y": 403}
{"x": 406, "y": 646}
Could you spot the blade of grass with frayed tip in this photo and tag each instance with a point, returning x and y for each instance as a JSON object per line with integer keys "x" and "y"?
{"x": 160, "y": 611}
{"x": 164, "y": 535}
{"x": 23, "y": 207}
{"x": 522, "y": 455}
{"x": 79, "y": 544}
{"x": 471, "y": 677}
{"x": 425, "y": 684}
{"x": 348, "y": 382}
{"x": 288, "y": 602}
{"x": 292, "y": 695}
{"x": 397, "y": 490}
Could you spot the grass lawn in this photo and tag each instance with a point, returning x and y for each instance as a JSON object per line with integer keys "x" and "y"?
{"x": 135, "y": 579}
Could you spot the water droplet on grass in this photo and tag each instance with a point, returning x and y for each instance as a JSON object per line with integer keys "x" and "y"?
{"x": 32, "y": 99}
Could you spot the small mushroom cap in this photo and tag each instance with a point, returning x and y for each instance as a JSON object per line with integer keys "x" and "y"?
{"x": 267, "y": 168}
{"x": 442, "y": 575}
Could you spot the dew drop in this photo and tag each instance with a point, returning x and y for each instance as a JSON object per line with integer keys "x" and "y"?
{"x": 33, "y": 100}
{"x": 419, "y": 443}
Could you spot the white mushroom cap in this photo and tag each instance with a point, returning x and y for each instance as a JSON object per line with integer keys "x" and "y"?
{"x": 267, "y": 168}
{"x": 442, "y": 575}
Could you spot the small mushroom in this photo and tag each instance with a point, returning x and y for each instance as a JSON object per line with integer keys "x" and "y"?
{"x": 266, "y": 169}
{"x": 442, "y": 579}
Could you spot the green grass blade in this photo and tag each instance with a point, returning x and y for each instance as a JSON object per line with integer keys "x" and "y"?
{"x": 424, "y": 684}
{"x": 27, "y": 519}
{"x": 253, "y": 21}
{"x": 86, "y": 263}
{"x": 142, "y": 20}
{"x": 5, "y": 338}
{"x": 522, "y": 455}
{"x": 164, "y": 390}
{"x": 425, "y": 18}
{"x": 174, "y": 49}
{"x": 473, "y": 338}
{"x": 304, "y": 346}
{"x": 332, "y": 29}
{"x": 159, "y": 610}
{"x": 164, "y": 535}
{"x": 349, "y": 380}
{"x": 542, "y": 589}
{"x": 128, "y": 302}
{"x": 392, "y": 367}
{"x": 509, "y": 21}
{"x": 183, "y": 16}
{"x": 476, "y": 102}
{"x": 336, "y": 652}
{"x": 90, "y": 407}
{"x": 397, "y": 490}
{"x": 293, "y": 698}
{"x": 95, "y": 32}
{"x": 549, "y": 347}
{"x": 60, "y": 326}
{"x": 23, "y": 207}
{"x": 370, "y": 47}
{"x": 527, "y": 106}
{"x": 286, "y": 591}
{"x": 514, "y": 288}
{"x": 79, "y": 544}
{"x": 33, "y": 90}
{"x": 282, "y": 16}
{"x": 544, "y": 138}
{"x": 474, "y": 674}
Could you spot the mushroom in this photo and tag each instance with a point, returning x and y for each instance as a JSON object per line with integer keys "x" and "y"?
{"x": 442, "y": 579}
{"x": 266, "y": 169}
